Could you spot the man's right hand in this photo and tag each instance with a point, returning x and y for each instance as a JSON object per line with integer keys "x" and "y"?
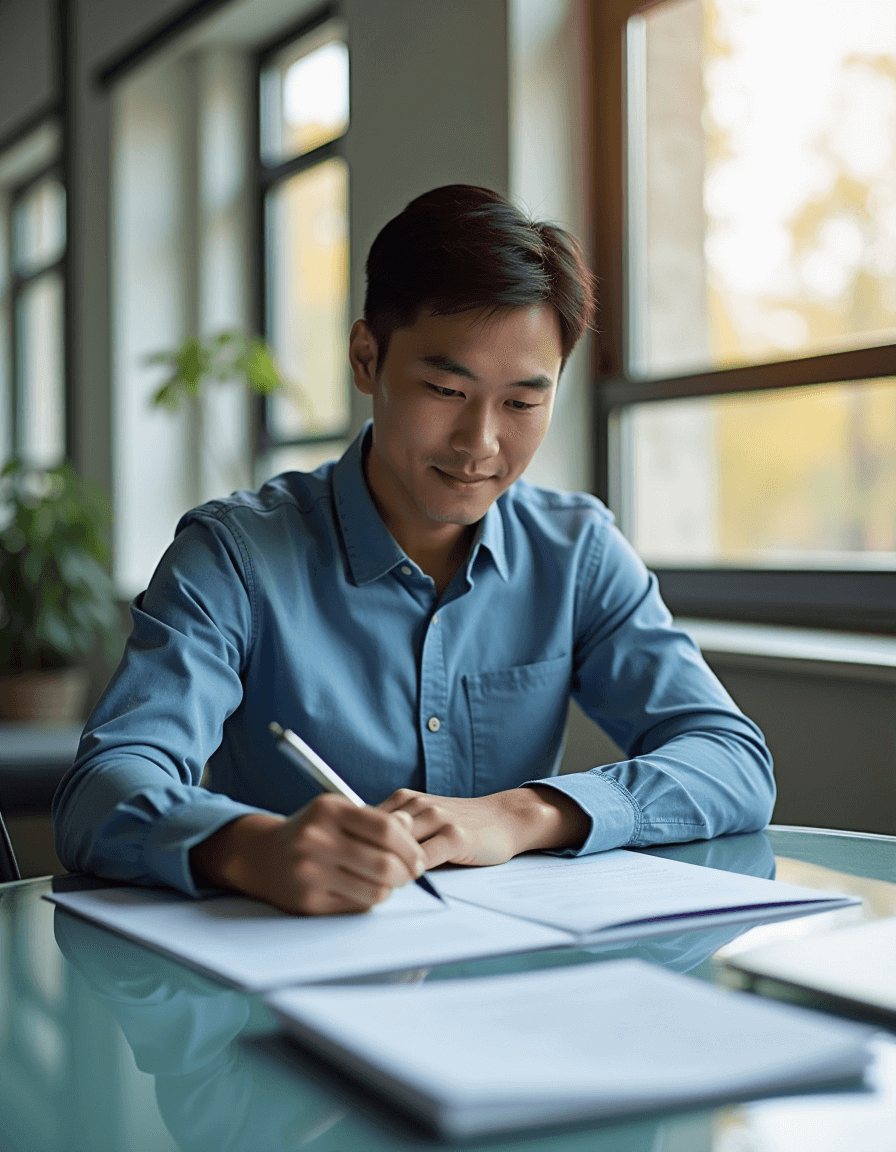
{"x": 328, "y": 857}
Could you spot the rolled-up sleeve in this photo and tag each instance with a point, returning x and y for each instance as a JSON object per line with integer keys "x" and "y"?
{"x": 131, "y": 806}
{"x": 697, "y": 767}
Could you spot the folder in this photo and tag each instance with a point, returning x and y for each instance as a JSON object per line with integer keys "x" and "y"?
{"x": 566, "y": 1044}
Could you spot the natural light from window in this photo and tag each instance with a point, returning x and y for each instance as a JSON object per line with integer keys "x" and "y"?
{"x": 762, "y": 221}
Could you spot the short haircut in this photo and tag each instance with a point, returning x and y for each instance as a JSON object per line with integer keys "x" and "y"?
{"x": 461, "y": 248}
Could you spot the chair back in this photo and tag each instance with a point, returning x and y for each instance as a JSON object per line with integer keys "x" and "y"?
{"x": 9, "y": 868}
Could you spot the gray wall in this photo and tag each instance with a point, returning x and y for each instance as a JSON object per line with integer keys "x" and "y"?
{"x": 831, "y": 730}
{"x": 26, "y": 61}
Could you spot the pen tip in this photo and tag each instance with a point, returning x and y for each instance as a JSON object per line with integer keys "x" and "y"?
{"x": 275, "y": 728}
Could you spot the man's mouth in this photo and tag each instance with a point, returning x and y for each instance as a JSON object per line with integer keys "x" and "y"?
{"x": 461, "y": 477}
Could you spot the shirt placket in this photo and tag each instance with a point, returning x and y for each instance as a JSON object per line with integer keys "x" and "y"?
{"x": 433, "y": 715}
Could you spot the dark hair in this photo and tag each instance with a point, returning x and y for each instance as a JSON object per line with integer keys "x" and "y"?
{"x": 461, "y": 248}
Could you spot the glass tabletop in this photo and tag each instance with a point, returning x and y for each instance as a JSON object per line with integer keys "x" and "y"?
{"x": 106, "y": 1045}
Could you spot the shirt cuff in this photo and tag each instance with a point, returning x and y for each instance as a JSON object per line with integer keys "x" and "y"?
{"x": 170, "y": 838}
{"x": 613, "y": 811}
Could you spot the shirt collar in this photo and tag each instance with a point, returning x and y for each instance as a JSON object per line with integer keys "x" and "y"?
{"x": 371, "y": 549}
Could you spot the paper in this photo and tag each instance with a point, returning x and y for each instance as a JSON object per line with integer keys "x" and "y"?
{"x": 529, "y": 903}
{"x": 253, "y": 946}
{"x": 624, "y": 895}
{"x": 857, "y": 963}
{"x": 566, "y": 1043}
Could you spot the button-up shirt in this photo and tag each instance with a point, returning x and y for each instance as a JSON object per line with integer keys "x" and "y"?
{"x": 295, "y": 604}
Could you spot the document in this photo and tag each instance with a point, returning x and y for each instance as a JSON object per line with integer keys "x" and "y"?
{"x": 624, "y": 895}
{"x": 531, "y": 902}
{"x": 476, "y": 1056}
{"x": 855, "y": 965}
{"x": 254, "y": 947}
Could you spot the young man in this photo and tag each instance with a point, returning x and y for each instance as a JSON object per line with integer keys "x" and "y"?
{"x": 419, "y": 615}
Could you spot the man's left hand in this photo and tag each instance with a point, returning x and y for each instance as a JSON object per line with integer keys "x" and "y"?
{"x": 490, "y": 829}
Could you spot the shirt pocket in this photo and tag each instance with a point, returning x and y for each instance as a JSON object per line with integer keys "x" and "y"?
{"x": 518, "y": 717}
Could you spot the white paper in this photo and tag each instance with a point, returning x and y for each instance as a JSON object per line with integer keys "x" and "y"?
{"x": 625, "y": 892}
{"x": 588, "y": 1040}
{"x": 256, "y": 947}
{"x": 857, "y": 963}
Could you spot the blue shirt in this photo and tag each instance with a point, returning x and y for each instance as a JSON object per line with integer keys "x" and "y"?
{"x": 295, "y": 604}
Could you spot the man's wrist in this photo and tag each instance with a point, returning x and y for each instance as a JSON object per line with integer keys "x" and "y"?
{"x": 548, "y": 819}
{"x": 224, "y": 859}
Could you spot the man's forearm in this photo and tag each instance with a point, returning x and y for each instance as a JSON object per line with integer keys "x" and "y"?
{"x": 549, "y": 820}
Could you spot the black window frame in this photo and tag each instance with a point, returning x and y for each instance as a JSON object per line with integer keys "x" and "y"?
{"x": 19, "y": 283}
{"x": 266, "y": 177}
{"x": 863, "y": 601}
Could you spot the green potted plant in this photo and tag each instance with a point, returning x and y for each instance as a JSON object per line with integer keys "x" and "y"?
{"x": 202, "y": 362}
{"x": 57, "y": 600}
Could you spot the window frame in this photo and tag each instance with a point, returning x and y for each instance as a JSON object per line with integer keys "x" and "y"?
{"x": 266, "y": 177}
{"x": 812, "y": 597}
{"x": 18, "y": 284}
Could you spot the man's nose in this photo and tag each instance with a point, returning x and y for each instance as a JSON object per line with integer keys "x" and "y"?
{"x": 476, "y": 433}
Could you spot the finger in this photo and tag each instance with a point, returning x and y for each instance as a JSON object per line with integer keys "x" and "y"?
{"x": 385, "y": 831}
{"x": 359, "y": 890}
{"x": 399, "y": 799}
{"x": 363, "y": 860}
{"x": 321, "y": 888}
{"x": 446, "y": 846}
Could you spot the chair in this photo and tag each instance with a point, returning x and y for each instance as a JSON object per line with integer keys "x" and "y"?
{"x": 9, "y": 869}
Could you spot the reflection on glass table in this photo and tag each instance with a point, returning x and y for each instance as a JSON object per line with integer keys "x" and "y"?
{"x": 104, "y": 1044}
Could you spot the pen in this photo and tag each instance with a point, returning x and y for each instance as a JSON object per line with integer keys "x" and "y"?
{"x": 308, "y": 760}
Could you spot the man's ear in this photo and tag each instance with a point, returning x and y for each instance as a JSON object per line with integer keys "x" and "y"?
{"x": 362, "y": 355}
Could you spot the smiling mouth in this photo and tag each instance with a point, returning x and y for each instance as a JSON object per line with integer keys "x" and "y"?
{"x": 467, "y": 481}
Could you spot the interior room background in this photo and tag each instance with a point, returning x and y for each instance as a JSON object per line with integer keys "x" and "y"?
{"x": 169, "y": 169}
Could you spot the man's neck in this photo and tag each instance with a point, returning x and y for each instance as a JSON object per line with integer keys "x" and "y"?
{"x": 439, "y": 550}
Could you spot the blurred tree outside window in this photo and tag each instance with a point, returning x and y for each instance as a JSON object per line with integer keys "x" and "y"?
{"x": 750, "y": 384}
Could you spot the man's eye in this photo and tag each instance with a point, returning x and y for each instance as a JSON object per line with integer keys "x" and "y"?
{"x": 521, "y": 405}
{"x": 442, "y": 391}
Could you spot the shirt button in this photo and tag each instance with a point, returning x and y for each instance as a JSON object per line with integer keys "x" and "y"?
{"x": 433, "y": 724}
{"x": 435, "y": 618}
{"x": 405, "y": 570}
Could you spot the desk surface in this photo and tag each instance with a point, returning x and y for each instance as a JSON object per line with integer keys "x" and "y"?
{"x": 104, "y": 1045}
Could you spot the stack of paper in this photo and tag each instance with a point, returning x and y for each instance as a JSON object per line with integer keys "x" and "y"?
{"x": 532, "y": 902}
{"x": 567, "y": 1043}
{"x": 854, "y": 966}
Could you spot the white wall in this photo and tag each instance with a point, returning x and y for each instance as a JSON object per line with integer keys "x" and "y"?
{"x": 549, "y": 178}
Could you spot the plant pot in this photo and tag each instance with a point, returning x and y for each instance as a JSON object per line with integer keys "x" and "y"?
{"x": 54, "y": 697}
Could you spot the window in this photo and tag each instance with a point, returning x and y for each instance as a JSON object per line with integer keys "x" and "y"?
{"x": 32, "y": 301}
{"x": 746, "y": 235}
{"x": 303, "y": 114}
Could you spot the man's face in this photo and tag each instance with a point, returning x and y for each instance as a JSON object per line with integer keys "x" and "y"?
{"x": 460, "y": 405}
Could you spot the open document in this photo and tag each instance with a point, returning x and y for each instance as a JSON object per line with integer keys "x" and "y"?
{"x": 623, "y": 895}
{"x": 532, "y": 902}
{"x": 568, "y": 1043}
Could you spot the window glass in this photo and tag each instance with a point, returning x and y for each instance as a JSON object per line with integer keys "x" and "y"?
{"x": 5, "y": 349}
{"x": 305, "y": 96}
{"x": 39, "y": 226}
{"x": 798, "y": 477}
{"x": 39, "y": 323}
{"x": 297, "y": 458}
{"x": 762, "y": 181}
{"x": 307, "y": 293}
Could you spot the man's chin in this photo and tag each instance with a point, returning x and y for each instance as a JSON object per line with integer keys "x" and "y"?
{"x": 462, "y": 519}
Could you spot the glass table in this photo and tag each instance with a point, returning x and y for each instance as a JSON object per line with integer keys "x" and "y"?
{"x": 108, "y": 1047}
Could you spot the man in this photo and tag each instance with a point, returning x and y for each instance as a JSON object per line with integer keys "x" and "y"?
{"x": 419, "y": 615}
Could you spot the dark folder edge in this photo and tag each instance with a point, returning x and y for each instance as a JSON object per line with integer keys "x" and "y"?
{"x": 811, "y": 996}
